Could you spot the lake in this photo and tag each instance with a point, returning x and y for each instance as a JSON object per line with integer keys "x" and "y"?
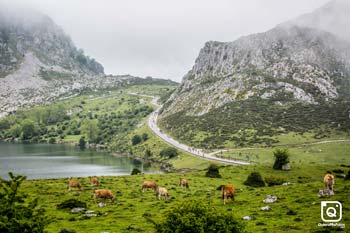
{"x": 38, "y": 161}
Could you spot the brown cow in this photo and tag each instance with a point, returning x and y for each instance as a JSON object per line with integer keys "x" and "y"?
{"x": 149, "y": 185}
{"x": 329, "y": 182}
{"x": 162, "y": 192}
{"x": 74, "y": 184}
{"x": 227, "y": 191}
{"x": 184, "y": 183}
{"x": 94, "y": 181}
{"x": 104, "y": 194}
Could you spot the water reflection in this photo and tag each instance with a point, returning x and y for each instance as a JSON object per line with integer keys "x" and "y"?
{"x": 57, "y": 161}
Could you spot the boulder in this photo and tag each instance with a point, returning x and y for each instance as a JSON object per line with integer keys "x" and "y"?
{"x": 286, "y": 167}
{"x": 248, "y": 218}
{"x": 270, "y": 199}
{"x": 266, "y": 208}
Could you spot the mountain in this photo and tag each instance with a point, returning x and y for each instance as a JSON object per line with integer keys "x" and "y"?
{"x": 39, "y": 63}
{"x": 259, "y": 82}
{"x": 332, "y": 17}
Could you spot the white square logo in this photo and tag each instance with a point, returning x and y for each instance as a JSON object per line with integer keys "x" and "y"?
{"x": 331, "y": 211}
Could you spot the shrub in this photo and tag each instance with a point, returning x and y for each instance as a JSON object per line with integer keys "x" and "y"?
{"x": 82, "y": 143}
{"x": 64, "y": 230}
{"x": 274, "y": 180}
{"x": 213, "y": 171}
{"x": 136, "y": 139}
{"x": 169, "y": 152}
{"x": 17, "y": 214}
{"x": 255, "y": 180}
{"x": 148, "y": 153}
{"x": 52, "y": 140}
{"x": 135, "y": 171}
{"x": 281, "y": 158}
{"x": 70, "y": 204}
{"x": 347, "y": 177}
{"x": 199, "y": 217}
{"x": 145, "y": 137}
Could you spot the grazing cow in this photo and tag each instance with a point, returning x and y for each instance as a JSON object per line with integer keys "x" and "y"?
{"x": 94, "y": 181}
{"x": 162, "y": 192}
{"x": 183, "y": 183}
{"x": 329, "y": 181}
{"x": 149, "y": 185}
{"x": 104, "y": 194}
{"x": 227, "y": 191}
{"x": 74, "y": 184}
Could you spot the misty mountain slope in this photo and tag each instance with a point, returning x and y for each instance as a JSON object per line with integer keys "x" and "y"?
{"x": 23, "y": 31}
{"x": 332, "y": 17}
{"x": 290, "y": 79}
{"x": 39, "y": 63}
{"x": 286, "y": 64}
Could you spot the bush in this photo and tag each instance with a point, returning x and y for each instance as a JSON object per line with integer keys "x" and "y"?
{"x": 281, "y": 158}
{"x": 198, "y": 217}
{"x": 145, "y": 137}
{"x": 67, "y": 231}
{"x": 148, "y": 153}
{"x": 213, "y": 171}
{"x": 136, "y": 139}
{"x": 135, "y": 171}
{"x": 17, "y": 214}
{"x": 347, "y": 177}
{"x": 82, "y": 143}
{"x": 70, "y": 204}
{"x": 255, "y": 180}
{"x": 169, "y": 152}
{"x": 52, "y": 140}
{"x": 274, "y": 180}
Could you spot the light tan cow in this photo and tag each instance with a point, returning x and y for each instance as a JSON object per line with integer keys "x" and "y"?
{"x": 227, "y": 191}
{"x": 149, "y": 185}
{"x": 162, "y": 192}
{"x": 184, "y": 183}
{"x": 103, "y": 194}
{"x": 329, "y": 181}
{"x": 74, "y": 184}
{"x": 94, "y": 181}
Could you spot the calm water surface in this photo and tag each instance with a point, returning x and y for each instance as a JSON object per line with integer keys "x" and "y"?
{"x": 38, "y": 161}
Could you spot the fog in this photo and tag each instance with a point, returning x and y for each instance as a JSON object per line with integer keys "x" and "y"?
{"x": 161, "y": 38}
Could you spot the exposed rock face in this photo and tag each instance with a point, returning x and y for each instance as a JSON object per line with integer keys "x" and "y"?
{"x": 289, "y": 64}
{"x": 39, "y": 63}
{"x": 305, "y": 60}
{"x": 23, "y": 31}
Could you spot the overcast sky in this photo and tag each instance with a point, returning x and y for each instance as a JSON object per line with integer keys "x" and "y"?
{"x": 162, "y": 38}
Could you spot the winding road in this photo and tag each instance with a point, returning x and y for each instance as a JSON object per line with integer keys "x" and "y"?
{"x": 152, "y": 124}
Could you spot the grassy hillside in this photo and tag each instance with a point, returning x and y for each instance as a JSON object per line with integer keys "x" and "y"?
{"x": 297, "y": 208}
{"x": 257, "y": 122}
{"x": 98, "y": 116}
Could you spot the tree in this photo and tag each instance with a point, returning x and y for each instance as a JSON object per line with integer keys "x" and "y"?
{"x": 90, "y": 129}
{"x": 29, "y": 129}
{"x": 136, "y": 139}
{"x": 148, "y": 153}
{"x": 145, "y": 137}
{"x": 18, "y": 214}
{"x": 82, "y": 143}
{"x": 199, "y": 217}
{"x": 15, "y": 130}
{"x": 213, "y": 171}
{"x": 169, "y": 152}
{"x": 255, "y": 180}
{"x": 281, "y": 158}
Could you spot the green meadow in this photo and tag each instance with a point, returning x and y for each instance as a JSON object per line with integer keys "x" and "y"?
{"x": 297, "y": 208}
